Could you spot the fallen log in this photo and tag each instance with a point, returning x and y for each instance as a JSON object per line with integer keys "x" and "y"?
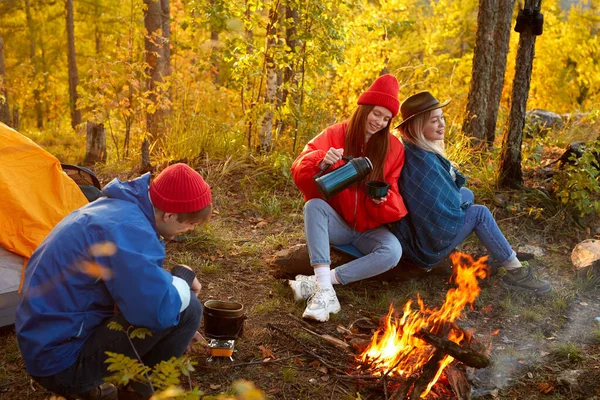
{"x": 467, "y": 356}
{"x": 289, "y": 262}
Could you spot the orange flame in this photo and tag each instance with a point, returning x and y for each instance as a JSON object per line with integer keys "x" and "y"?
{"x": 397, "y": 348}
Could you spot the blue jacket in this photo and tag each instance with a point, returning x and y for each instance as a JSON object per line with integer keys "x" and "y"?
{"x": 70, "y": 287}
{"x": 435, "y": 210}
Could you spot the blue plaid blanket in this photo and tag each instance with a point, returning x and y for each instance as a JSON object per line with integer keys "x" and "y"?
{"x": 435, "y": 213}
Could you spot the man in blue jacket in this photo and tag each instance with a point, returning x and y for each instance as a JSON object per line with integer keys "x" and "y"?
{"x": 103, "y": 263}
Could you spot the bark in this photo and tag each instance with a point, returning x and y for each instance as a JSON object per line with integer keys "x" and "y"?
{"x": 214, "y": 58}
{"x": 466, "y": 356}
{"x": 249, "y": 34}
{"x": 266, "y": 127}
{"x": 157, "y": 58}
{"x": 501, "y": 45}
{"x": 97, "y": 30}
{"x": 291, "y": 41}
{"x": 95, "y": 146}
{"x": 39, "y": 115}
{"x": 510, "y": 174}
{"x": 73, "y": 74}
{"x": 145, "y": 162}
{"x": 4, "y": 109}
{"x": 477, "y": 102}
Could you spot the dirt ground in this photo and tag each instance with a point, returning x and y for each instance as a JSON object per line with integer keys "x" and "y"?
{"x": 540, "y": 348}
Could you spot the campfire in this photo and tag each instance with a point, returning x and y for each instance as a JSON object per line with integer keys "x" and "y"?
{"x": 418, "y": 346}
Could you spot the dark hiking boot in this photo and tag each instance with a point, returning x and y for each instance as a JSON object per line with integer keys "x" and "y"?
{"x": 523, "y": 279}
{"x": 106, "y": 391}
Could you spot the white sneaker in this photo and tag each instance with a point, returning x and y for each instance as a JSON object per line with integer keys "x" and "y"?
{"x": 309, "y": 278}
{"x": 322, "y": 303}
{"x": 302, "y": 289}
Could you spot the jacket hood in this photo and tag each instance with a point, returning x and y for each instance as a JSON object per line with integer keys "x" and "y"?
{"x": 133, "y": 191}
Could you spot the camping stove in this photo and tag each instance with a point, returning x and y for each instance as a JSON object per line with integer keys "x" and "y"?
{"x": 221, "y": 348}
{"x": 223, "y": 324}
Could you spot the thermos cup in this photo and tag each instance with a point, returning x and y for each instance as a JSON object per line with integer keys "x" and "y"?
{"x": 355, "y": 170}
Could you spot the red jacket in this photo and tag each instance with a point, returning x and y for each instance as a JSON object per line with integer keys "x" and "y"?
{"x": 359, "y": 211}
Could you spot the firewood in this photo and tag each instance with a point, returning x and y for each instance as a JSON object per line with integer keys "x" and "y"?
{"x": 427, "y": 374}
{"x": 466, "y": 356}
{"x": 458, "y": 382}
{"x": 328, "y": 338}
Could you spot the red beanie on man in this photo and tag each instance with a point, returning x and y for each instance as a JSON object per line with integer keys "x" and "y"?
{"x": 383, "y": 92}
{"x": 180, "y": 189}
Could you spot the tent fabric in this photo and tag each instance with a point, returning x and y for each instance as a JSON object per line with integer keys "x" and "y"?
{"x": 36, "y": 193}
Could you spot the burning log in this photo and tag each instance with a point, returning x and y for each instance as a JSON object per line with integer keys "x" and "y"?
{"x": 430, "y": 369}
{"x": 421, "y": 382}
{"x": 469, "y": 357}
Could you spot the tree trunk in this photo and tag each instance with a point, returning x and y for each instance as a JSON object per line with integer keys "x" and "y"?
{"x": 95, "y": 144}
{"x": 291, "y": 41}
{"x": 477, "y": 103}
{"x": 97, "y": 30}
{"x": 73, "y": 75}
{"x": 249, "y": 34}
{"x": 4, "y": 109}
{"x": 36, "y": 92}
{"x": 510, "y": 174}
{"x": 501, "y": 44}
{"x": 266, "y": 127}
{"x": 157, "y": 58}
{"x": 145, "y": 161}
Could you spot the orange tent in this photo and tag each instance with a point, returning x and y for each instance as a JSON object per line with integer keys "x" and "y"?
{"x": 36, "y": 193}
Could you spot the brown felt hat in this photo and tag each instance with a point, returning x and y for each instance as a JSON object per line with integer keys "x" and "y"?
{"x": 418, "y": 104}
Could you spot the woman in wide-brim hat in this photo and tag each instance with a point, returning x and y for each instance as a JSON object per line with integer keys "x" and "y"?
{"x": 351, "y": 217}
{"x": 441, "y": 213}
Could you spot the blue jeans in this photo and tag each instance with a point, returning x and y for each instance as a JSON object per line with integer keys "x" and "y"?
{"x": 480, "y": 220}
{"x": 323, "y": 226}
{"x": 90, "y": 370}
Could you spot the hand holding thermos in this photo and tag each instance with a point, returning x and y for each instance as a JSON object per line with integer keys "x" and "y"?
{"x": 333, "y": 156}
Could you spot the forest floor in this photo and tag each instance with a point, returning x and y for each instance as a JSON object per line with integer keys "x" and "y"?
{"x": 540, "y": 348}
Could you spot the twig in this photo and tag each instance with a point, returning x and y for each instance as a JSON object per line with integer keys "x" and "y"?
{"x": 397, "y": 363}
{"x": 384, "y": 382}
{"x": 329, "y": 339}
{"x": 358, "y": 377}
{"x": 263, "y": 362}
{"x": 325, "y": 362}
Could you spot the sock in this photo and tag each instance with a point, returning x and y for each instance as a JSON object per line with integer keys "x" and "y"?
{"x": 334, "y": 280}
{"x": 512, "y": 265}
{"x": 323, "y": 277}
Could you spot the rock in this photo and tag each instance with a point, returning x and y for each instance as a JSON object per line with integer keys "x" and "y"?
{"x": 585, "y": 253}
{"x": 569, "y": 378}
{"x": 530, "y": 249}
{"x": 539, "y": 122}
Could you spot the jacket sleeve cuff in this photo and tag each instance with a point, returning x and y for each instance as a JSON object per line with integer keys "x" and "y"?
{"x": 186, "y": 274}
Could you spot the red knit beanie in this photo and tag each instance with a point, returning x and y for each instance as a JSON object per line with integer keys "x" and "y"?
{"x": 180, "y": 189}
{"x": 383, "y": 92}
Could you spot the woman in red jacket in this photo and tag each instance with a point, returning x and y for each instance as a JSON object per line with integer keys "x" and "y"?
{"x": 351, "y": 217}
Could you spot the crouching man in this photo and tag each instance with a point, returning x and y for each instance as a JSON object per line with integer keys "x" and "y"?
{"x": 103, "y": 263}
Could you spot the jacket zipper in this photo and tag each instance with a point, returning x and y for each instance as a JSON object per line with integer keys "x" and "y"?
{"x": 355, "y": 205}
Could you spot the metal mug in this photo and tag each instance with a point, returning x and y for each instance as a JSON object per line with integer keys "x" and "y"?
{"x": 377, "y": 189}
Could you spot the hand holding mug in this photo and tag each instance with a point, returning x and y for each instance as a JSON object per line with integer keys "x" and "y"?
{"x": 377, "y": 191}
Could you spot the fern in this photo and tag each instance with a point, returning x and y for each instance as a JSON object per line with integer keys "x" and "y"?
{"x": 125, "y": 369}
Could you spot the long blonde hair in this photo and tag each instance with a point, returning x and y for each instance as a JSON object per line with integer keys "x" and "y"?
{"x": 412, "y": 132}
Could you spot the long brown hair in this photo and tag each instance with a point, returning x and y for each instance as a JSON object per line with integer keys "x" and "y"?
{"x": 377, "y": 146}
